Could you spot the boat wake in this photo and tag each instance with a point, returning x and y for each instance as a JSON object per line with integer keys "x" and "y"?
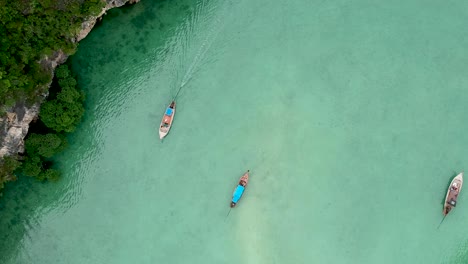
{"x": 194, "y": 24}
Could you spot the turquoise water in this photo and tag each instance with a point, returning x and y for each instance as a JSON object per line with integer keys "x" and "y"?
{"x": 350, "y": 116}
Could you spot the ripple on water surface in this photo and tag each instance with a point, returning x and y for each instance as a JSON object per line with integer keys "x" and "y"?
{"x": 349, "y": 117}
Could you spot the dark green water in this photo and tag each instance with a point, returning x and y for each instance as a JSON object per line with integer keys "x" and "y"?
{"x": 350, "y": 116}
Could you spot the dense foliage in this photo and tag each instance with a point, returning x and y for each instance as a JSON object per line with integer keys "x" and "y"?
{"x": 7, "y": 166}
{"x": 38, "y": 149}
{"x": 65, "y": 111}
{"x": 61, "y": 113}
{"x": 31, "y": 29}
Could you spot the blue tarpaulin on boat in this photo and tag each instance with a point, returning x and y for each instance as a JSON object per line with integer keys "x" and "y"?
{"x": 169, "y": 111}
{"x": 238, "y": 193}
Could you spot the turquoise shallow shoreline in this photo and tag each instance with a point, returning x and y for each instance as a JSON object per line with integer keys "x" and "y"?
{"x": 348, "y": 115}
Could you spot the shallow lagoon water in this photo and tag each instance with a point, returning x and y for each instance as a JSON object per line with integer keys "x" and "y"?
{"x": 350, "y": 116}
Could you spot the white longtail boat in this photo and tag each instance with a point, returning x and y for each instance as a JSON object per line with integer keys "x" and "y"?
{"x": 452, "y": 193}
{"x": 167, "y": 120}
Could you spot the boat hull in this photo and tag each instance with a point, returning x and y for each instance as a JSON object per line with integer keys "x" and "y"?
{"x": 240, "y": 188}
{"x": 166, "y": 122}
{"x": 452, "y": 193}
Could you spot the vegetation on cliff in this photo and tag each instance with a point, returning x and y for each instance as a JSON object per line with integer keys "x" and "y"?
{"x": 30, "y": 30}
{"x": 60, "y": 114}
{"x": 7, "y": 166}
{"x": 64, "y": 112}
{"x": 39, "y": 148}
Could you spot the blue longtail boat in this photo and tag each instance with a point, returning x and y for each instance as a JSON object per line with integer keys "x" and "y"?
{"x": 239, "y": 191}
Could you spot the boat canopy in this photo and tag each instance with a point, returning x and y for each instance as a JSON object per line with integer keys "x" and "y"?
{"x": 169, "y": 111}
{"x": 238, "y": 193}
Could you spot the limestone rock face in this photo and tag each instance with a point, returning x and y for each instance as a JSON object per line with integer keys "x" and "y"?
{"x": 15, "y": 124}
{"x": 14, "y": 127}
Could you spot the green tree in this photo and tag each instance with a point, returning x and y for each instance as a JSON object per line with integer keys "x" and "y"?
{"x": 45, "y": 145}
{"x": 49, "y": 174}
{"x": 65, "y": 112}
{"x": 32, "y": 166}
{"x": 67, "y": 82}
{"x": 7, "y": 167}
{"x": 38, "y": 149}
{"x": 60, "y": 115}
{"x": 70, "y": 95}
{"x": 62, "y": 72}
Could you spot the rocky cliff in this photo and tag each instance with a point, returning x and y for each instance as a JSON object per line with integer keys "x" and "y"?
{"x": 15, "y": 124}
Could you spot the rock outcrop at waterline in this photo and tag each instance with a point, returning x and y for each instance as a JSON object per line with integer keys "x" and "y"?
{"x": 14, "y": 125}
{"x": 88, "y": 25}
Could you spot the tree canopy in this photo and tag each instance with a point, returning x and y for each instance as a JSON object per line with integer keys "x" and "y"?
{"x": 64, "y": 112}
{"x": 31, "y": 29}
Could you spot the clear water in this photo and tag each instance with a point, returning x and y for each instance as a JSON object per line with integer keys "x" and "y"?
{"x": 349, "y": 114}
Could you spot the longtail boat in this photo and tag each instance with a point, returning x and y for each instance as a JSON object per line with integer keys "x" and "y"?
{"x": 239, "y": 191}
{"x": 167, "y": 119}
{"x": 452, "y": 193}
